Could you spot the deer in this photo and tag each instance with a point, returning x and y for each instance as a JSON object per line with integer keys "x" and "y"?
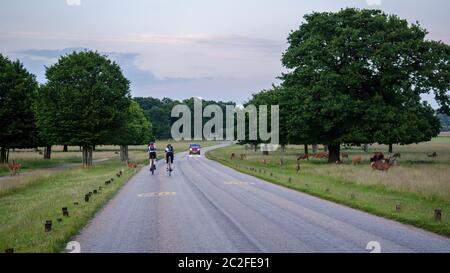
{"x": 243, "y": 156}
{"x": 377, "y": 156}
{"x": 131, "y": 165}
{"x": 321, "y": 155}
{"x": 434, "y": 154}
{"x": 356, "y": 160}
{"x": 14, "y": 167}
{"x": 381, "y": 165}
{"x": 344, "y": 155}
{"x": 232, "y": 156}
{"x": 305, "y": 156}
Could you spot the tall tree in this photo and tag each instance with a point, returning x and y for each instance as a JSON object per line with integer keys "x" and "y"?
{"x": 17, "y": 91}
{"x": 356, "y": 76}
{"x": 83, "y": 101}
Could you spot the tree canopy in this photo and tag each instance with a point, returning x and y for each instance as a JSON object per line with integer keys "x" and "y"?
{"x": 17, "y": 122}
{"x": 356, "y": 76}
{"x": 83, "y": 101}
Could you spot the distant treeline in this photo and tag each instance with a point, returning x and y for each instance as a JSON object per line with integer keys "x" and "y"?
{"x": 159, "y": 110}
{"x": 445, "y": 121}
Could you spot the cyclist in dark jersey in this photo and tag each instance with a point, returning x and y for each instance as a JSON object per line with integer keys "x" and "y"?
{"x": 169, "y": 155}
{"x": 152, "y": 154}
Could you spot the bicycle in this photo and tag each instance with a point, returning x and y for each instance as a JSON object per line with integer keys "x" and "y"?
{"x": 170, "y": 168}
{"x": 152, "y": 166}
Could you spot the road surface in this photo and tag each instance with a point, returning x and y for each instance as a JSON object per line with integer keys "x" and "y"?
{"x": 207, "y": 207}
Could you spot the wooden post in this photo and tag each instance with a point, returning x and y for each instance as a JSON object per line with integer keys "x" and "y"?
{"x": 438, "y": 214}
{"x": 65, "y": 211}
{"x": 48, "y": 225}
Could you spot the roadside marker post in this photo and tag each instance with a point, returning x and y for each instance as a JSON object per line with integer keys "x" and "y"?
{"x": 65, "y": 211}
{"x": 48, "y": 225}
{"x": 438, "y": 214}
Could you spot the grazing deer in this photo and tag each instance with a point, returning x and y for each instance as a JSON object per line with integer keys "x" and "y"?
{"x": 344, "y": 155}
{"x": 381, "y": 165}
{"x": 356, "y": 160}
{"x": 232, "y": 156}
{"x": 305, "y": 156}
{"x": 131, "y": 165}
{"x": 321, "y": 155}
{"x": 397, "y": 155}
{"x": 434, "y": 154}
{"x": 377, "y": 156}
{"x": 14, "y": 167}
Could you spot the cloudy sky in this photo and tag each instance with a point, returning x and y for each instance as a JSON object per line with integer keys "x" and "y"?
{"x": 216, "y": 49}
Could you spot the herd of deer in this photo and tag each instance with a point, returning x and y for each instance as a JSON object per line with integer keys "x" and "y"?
{"x": 377, "y": 161}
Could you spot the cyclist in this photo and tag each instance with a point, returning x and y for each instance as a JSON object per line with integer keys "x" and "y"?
{"x": 152, "y": 155}
{"x": 169, "y": 155}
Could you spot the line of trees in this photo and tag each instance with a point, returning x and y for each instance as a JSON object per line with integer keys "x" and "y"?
{"x": 355, "y": 77}
{"x": 85, "y": 102}
{"x": 159, "y": 112}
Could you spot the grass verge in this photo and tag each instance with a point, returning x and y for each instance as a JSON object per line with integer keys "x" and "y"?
{"x": 378, "y": 199}
{"x": 24, "y": 211}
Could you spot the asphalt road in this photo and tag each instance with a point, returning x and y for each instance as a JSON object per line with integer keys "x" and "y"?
{"x": 207, "y": 207}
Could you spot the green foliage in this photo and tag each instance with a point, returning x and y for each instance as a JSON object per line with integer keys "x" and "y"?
{"x": 356, "y": 76}
{"x": 83, "y": 101}
{"x": 17, "y": 91}
{"x": 158, "y": 111}
{"x": 136, "y": 129}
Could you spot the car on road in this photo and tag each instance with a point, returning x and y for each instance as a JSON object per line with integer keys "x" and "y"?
{"x": 194, "y": 149}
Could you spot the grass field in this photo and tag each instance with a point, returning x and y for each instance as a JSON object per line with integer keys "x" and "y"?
{"x": 419, "y": 184}
{"x": 31, "y": 200}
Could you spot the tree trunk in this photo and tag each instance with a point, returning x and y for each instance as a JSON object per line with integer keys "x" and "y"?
{"x": 334, "y": 153}
{"x": 4, "y": 155}
{"x": 390, "y": 148}
{"x": 306, "y": 149}
{"x": 47, "y": 152}
{"x": 65, "y": 148}
{"x": 315, "y": 147}
{"x": 81, "y": 149}
{"x": 87, "y": 156}
{"x": 124, "y": 152}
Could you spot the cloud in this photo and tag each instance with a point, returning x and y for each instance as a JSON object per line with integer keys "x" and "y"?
{"x": 36, "y": 60}
{"x": 73, "y": 2}
{"x": 373, "y": 2}
{"x": 236, "y": 42}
